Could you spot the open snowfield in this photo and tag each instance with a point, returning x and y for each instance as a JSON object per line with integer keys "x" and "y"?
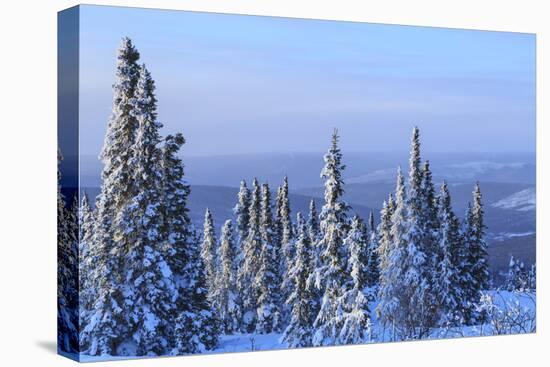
{"x": 510, "y": 313}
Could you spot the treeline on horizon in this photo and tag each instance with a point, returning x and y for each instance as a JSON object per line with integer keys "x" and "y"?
{"x": 150, "y": 284}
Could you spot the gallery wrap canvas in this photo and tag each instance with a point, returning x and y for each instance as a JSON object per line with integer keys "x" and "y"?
{"x": 232, "y": 183}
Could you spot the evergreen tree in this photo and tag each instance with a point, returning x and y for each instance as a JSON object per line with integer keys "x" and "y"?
{"x": 242, "y": 211}
{"x": 208, "y": 251}
{"x": 476, "y": 256}
{"x": 109, "y": 324}
{"x": 384, "y": 232}
{"x": 284, "y": 231}
{"x": 284, "y": 236}
{"x": 417, "y": 265}
{"x": 267, "y": 281}
{"x": 330, "y": 276}
{"x": 393, "y": 307}
{"x": 313, "y": 223}
{"x": 517, "y": 278}
{"x": 251, "y": 250}
{"x": 302, "y": 300}
{"x": 284, "y": 223}
{"x": 67, "y": 272}
{"x": 176, "y": 224}
{"x": 197, "y": 329}
{"x": 447, "y": 287}
{"x": 149, "y": 289}
{"x": 224, "y": 299}
{"x": 373, "y": 272}
{"x": 356, "y": 325}
{"x": 430, "y": 241}
{"x": 357, "y": 243}
{"x": 87, "y": 263}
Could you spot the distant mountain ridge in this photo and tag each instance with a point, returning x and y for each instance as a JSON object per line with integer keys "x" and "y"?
{"x": 303, "y": 169}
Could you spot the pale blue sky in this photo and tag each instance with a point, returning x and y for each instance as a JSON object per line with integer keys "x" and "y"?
{"x": 245, "y": 84}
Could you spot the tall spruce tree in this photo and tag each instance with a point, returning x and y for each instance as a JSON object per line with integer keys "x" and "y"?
{"x": 86, "y": 254}
{"x": 393, "y": 306}
{"x": 373, "y": 272}
{"x": 384, "y": 232}
{"x": 225, "y": 297}
{"x": 303, "y": 299}
{"x": 430, "y": 246}
{"x": 447, "y": 287}
{"x": 356, "y": 323}
{"x": 417, "y": 266}
{"x": 67, "y": 272}
{"x": 313, "y": 223}
{"x": 176, "y": 224}
{"x": 242, "y": 211}
{"x": 208, "y": 251}
{"x": 251, "y": 249}
{"x": 284, "y": 234}
{"x": 357, "y": 243}
{"x": 197, "y": 329}
{"x": 331, "y": 276}
{"x": 284, "y": 223}
{"x": 476, "y": 250}
{"x": 109, "y": 323}
{"x": 149, "y": 289}
{"x": 267, "y": 281}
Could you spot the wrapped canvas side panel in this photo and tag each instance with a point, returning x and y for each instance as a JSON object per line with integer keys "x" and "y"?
{"x": 68, "y": 182}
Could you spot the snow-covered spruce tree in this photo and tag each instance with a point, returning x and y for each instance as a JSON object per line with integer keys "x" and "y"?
{"x": 267, "y": 280}
{"x": 355, "y": 324}
{"x": 149, "y": 289}
{"x": 108, "y": 324}
{"x": 419, "y": 274}
{"x": 476, "y": 250}
{"x": 384, "y": 232}
{"x": 251, "y": 249}
{"x": 224, "y": 297}
{"x": 87, "y": 255}
{"x": 431, "y": 241}
{"x": 284, "y": 237}
{"x": 357, "y": 243}
{"x": 284, "y": 223}
{"x": 242, "y": 212}
{"x": 176, "y": 224}
{"x": 208, "y": 251}
{"x": 314, "y": 233}
{"x": 242, "y": 217}
{"x": 196, "y": 329}
{"x": 67, "y": 272}
{"x": 447, "y": 287}
{"x": 431, "y": 219}
{"x": 86, "y": 223}
{"x": 393, "y": 307}
{"x": 331, "y": 276}
{"x": 373, "y": 272}
{"x": 517, "y": 278}
{"x": 313, "y": 223}
{"x": 303, "y": 299}
{"x": 194, "y": 325}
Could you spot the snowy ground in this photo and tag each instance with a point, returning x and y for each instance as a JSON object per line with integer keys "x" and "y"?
{"x": 511, "y": 313}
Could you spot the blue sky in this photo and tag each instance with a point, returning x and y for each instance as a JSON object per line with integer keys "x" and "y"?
{"x": 245, "y": 84}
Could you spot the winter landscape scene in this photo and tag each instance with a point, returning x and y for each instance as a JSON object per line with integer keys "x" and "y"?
{"x": 254, "y": 183}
